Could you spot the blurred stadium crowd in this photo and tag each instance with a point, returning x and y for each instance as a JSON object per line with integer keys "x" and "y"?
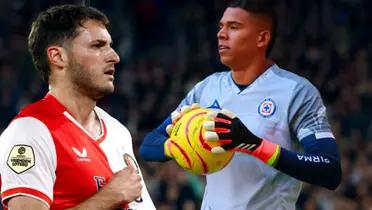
{"x": 167, "y": 46}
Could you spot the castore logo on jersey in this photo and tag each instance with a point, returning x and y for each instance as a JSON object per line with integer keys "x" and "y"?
{"x": 81, "y": 155}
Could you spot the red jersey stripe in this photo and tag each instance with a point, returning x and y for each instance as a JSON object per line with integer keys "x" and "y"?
{"x": 24, "y": 191}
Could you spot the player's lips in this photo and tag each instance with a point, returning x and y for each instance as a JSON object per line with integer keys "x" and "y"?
{"x": 223, "y": 48}
{"x": 110, "y": 72}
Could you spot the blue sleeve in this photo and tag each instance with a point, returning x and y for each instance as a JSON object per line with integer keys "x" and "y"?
{"x": 152, "y": 147}
{"x": 319, "y": 165}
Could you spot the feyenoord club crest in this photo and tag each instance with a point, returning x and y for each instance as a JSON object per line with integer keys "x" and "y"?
{"x": 267, "y": 108}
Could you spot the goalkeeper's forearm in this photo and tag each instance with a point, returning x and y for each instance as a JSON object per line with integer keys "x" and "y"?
{"x": 152, "y": 147}
{"x": 318, "y": 165}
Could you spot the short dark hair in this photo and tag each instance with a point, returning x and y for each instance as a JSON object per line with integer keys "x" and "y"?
{"x": 261, "y": 7}
{"x": 57, "y": 25}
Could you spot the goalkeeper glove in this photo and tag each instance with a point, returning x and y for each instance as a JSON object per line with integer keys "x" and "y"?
{"x": 231, "y": 133}
{"x": 175, "y": 116}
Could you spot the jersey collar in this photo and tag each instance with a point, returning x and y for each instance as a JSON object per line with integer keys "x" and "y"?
{"x": 264, "y": 76}
{"x": 62, "y": 109}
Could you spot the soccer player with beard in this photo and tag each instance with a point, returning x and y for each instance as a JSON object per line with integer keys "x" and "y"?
{"x": 64, "y": 152}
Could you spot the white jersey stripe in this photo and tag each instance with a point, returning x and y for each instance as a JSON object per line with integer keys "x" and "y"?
{"x": 323, "y": 135}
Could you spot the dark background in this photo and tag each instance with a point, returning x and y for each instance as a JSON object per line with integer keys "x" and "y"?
{"x": 167, "y": 46}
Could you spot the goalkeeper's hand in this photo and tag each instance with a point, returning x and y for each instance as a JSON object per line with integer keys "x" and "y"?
{"x": 175, "y": 116}
{"x": 225, "y": 127}
{"x": 231, "y": 133}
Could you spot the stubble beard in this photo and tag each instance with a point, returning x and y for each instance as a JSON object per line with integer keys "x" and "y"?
{"x": 83, "y": 80}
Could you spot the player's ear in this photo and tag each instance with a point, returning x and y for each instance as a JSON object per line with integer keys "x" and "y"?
{"x": 263, "y": 38}
{"x": 57, "y": 56}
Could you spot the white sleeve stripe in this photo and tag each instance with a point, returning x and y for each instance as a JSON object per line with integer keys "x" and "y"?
{"x": 323, "y": 135}
{"x": 24, "y": 194}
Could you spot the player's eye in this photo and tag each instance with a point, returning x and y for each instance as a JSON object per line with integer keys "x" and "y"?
{"x": 234, "y": 26}
{"x": 97, "y": 45}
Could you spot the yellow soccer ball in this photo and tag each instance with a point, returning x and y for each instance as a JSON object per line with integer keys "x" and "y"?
{"x": 186, "y": 145}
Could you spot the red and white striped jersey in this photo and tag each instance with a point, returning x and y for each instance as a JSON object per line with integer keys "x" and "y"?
{"x": 46, "y": 154}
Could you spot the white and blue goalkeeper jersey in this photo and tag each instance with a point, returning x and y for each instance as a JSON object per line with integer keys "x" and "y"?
{"x": 278, "y": 106}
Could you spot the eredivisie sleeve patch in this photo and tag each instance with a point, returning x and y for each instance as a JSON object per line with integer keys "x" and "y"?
{"x": 21, "y": 158}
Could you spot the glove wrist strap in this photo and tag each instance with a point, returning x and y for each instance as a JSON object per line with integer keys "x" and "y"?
{"x": 267, "y": 152}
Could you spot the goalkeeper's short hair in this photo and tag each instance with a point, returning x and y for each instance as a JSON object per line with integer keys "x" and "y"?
{"x": 261, "y": 7}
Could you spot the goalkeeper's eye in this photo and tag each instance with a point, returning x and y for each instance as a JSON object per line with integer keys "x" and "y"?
{"x": 235, "y": 26}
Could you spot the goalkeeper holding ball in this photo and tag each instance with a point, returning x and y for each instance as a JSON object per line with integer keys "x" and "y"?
{"x": 271, "y": 112}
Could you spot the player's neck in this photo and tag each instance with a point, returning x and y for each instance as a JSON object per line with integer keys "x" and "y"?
{"x": 246, "y": 74}
{"x": 78, "y": 105}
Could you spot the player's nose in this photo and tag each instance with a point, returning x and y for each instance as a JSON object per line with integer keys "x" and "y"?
{"x": 113, "y": 57}
{"x": 221, "y": 34}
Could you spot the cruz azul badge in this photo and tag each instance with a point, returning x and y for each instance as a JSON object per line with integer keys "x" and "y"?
{"x": 21, "y": 158}
{"x": 267, "y": 108}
